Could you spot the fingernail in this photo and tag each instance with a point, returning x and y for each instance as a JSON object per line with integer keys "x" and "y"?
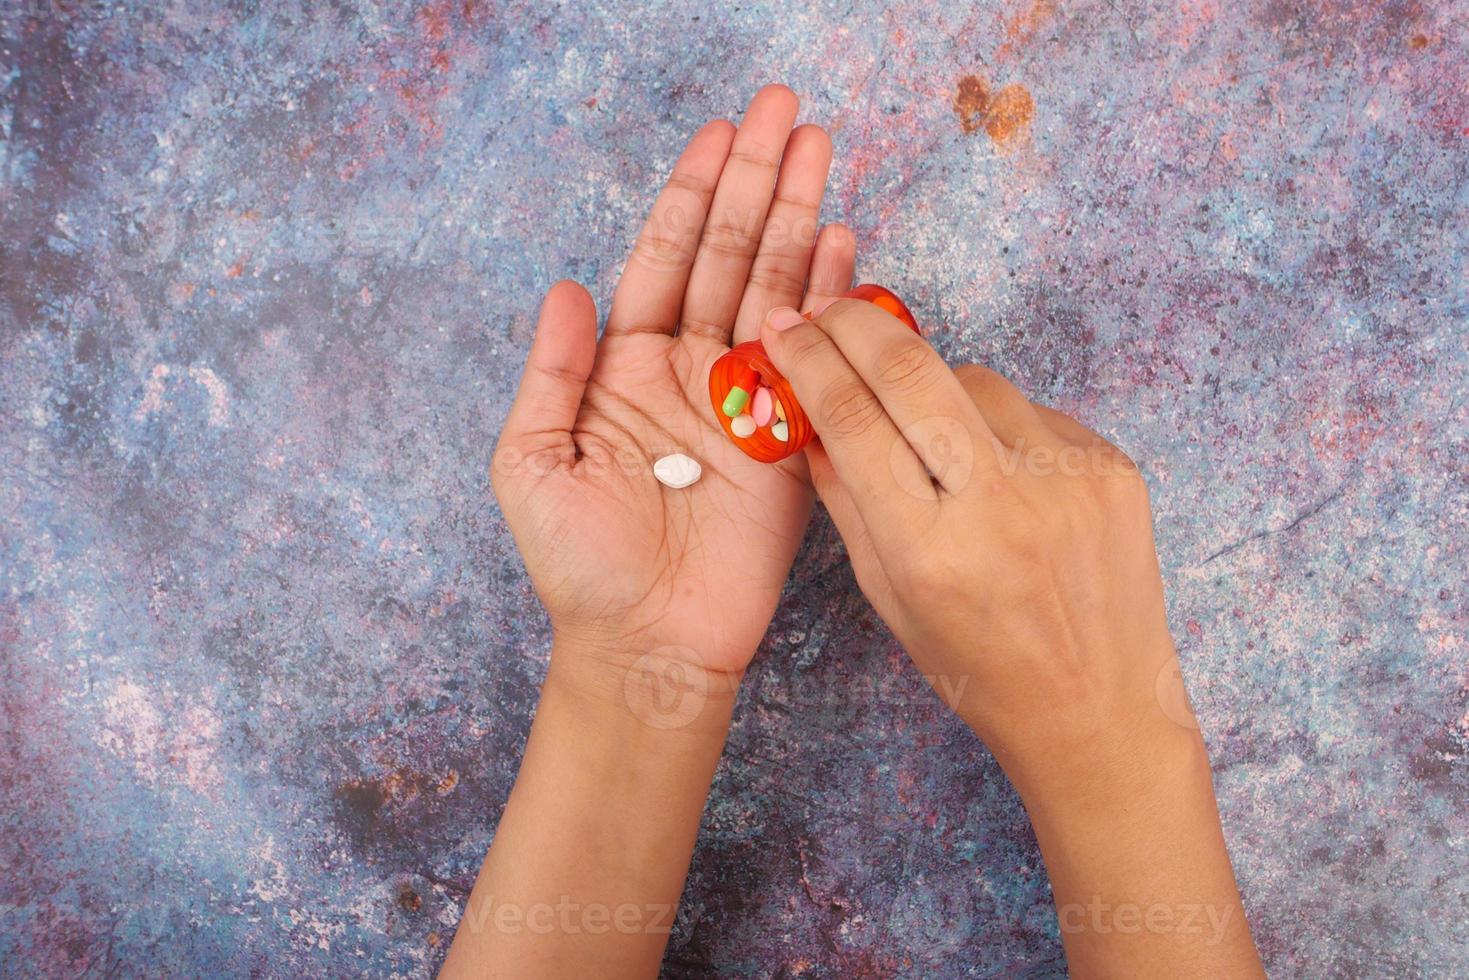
{"x": 823, "y": 307}
{"x": 783, "y": 318}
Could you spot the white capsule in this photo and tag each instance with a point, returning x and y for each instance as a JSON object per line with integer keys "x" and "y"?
{"x": 743, "y": 426}
{"x": 780, "y": 431}
{"x": 677, "y": 471}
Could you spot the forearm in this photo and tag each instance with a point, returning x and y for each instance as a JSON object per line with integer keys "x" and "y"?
{"x": 590, "y": 856}
{"x": 1139, "y": 869}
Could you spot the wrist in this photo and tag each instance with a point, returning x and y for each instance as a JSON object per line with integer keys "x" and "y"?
{"x": 1155, "y": 766}
{"x": 612, "y": 751}
{"x": 642, "y": 688}
{"x": 603, "y": 816}
{"x": 1116, "y": 731}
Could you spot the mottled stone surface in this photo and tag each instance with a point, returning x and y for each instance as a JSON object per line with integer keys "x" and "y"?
{"x": 266, "y": 280}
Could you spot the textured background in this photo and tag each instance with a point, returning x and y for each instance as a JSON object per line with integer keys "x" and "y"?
{"x": 266, "y": 280}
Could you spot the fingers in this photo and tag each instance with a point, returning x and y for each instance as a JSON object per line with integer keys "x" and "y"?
{"x": 1009, "y": 414}
{"x": 778, "y": 274}
{"x": 556, "y": 372}
{"x": 650, "y": 293}
{"x": 731, "y": 235}
{"x": 842, "y": 509}
{"x": 865, "y": 558}
{"x": 922, "y": 397}
{"x": 865, "y": 448}
{"x": 833, "y": 263}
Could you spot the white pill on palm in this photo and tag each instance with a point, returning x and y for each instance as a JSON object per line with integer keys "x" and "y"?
{"x": 677, "y": 471}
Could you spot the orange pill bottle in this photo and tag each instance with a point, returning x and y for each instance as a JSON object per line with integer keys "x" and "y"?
{"x": 749, "y": 361}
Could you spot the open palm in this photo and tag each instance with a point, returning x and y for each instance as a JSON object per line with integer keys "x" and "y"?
{"x": 621, "y": 562}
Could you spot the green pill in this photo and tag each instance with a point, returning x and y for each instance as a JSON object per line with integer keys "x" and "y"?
{"x": 735, "y": 401}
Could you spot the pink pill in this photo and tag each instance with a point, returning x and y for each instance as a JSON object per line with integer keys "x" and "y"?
{"x": 763, "y": 406}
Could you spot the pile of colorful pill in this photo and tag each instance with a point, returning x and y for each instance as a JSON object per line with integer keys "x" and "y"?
{"x": 751, "y": 405}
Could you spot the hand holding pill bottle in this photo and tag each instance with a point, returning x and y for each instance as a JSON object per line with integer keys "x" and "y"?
{"x": 1009, "y": 548}
{"x": 755, "y": 404}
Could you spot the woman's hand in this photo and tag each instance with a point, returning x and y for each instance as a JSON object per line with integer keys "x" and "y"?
{"x": 640, "y": 580}
{"x": 1010, "y": 550}
{"x": 623, "y": 564}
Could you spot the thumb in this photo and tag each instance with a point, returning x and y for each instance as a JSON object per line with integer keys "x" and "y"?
{"x": 556, "y": 372}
